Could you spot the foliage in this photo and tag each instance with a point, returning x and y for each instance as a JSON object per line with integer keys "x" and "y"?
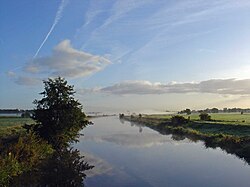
{"x": 58, "y": 115}
{"x": 214, "y": 110}
{"x": 178, "y": 120}
{"x": 212, "y": 134}
{"x": 26, "y": 114}
{"x": 187, "y": 111}
{"x": 64, "y": 167}
{"x": 204, "y": 116}
{"x": 59, "y": 118}
{"x": 12, "y": 126}
{"x": 23, "y": 155}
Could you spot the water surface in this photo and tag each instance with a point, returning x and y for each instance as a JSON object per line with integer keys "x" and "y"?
{"x": 128, "y": 155}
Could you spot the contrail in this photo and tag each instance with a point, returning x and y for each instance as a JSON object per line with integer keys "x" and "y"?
{"x": 57, "y": 18}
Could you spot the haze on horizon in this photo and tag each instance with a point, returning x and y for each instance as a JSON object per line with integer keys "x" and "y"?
{"x": 128, "y": 55}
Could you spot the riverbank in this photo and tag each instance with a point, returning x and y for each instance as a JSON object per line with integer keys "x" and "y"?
{"x": 19, "y": 151}
{"x": 24, "y": 154}
{"x": 234, "y": 139}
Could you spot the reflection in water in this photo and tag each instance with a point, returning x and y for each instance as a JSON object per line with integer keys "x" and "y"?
{"x": 101, "y": 166}
{"x": 130, "y": 140}
{"x": 132, "y": 124}
{"x": 178, "y": 137}
{"x": 125, "y": 157}
{"x": 64, "y": 168}
{"x": 122, "y": 120}
{"x": 239, "y": 149}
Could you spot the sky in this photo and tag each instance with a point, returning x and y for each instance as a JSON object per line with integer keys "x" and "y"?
{"x": 127, "y": 55}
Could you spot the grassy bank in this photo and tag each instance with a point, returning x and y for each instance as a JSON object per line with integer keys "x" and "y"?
{"x": 233, "y": 138}
{"x": 225, "y": 118}
{"x": 19, "y": 151}
{"x": 10, "y": 126}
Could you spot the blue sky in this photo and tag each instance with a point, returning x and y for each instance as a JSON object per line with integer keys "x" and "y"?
{"x": 127, "y": 55}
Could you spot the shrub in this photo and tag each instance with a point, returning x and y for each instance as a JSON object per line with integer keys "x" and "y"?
{"x": 22, "y": 156}
{"x": 25, "y": 115}
{"x": 205, "y": 117}
{"x": 178, "y": 120}
{"x": 121, "y": 116}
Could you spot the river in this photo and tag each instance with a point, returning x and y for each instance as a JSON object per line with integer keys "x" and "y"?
{"x": 125, "y": 154}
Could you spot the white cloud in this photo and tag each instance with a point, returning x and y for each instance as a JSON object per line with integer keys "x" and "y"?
{"x": 27, "y": 81}
{"x": 132, "y": 140}
{"x": 11, "y": 74}
{"x": 215, "y": 86}
{"x": 67, "y": 62}
{"x": 23, "y": 80}
{"x": 134, "y": 87}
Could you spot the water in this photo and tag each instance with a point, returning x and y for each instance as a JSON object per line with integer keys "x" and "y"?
{"x": 128, "y": 155}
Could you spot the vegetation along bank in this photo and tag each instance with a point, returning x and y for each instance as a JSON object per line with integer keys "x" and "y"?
{"x": 230, "y": 136}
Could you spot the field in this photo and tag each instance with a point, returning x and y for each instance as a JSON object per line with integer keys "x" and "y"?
{"x": 225, "y": 118}
{"x": 12, "y": 125}
{"x": 230, "y": 132}
{"x": 235, "y": 124}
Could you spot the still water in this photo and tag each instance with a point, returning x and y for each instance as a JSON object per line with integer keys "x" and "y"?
{"x": 128, "y": 155}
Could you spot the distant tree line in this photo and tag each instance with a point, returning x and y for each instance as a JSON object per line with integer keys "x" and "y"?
{"x": 215, "y": 110}
{"x": 13, "y": 111}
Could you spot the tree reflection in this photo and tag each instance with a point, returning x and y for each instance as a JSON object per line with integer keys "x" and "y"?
{"x": 122, "y": 120}
{"x": 64, "y": 168}
{"x": 178, "y": 137}
{"x": 237, "y": 147}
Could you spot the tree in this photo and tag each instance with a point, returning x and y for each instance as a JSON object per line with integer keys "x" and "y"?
{"x": 214, "y": 110}
{"x": 178, "y": 120}
{"x": 188, "y": 111}
{"x": 204, "y": 116}
{"x": 26, "y": 114}
{"x": 58, "y": 115}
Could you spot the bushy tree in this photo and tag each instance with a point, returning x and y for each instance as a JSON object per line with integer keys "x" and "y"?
{"x": 214, "y": 110}
{"x": 58, "y": 115}
{"x": 204, "y": 116}
{"x": 188, "y": 111}
{"x": 178, "y": 120}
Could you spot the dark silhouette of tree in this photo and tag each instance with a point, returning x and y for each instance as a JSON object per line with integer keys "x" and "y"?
{"x": 188, "y": 111}
{"x": 204, "y": 116}
{"x": 178, "y": 120}
{"x": 65, "y": 167}
{"x": 26, "y": 114}
{"x": 58, "y": 115}
{"x": 214, "y": 110}
{"x": 121, "y": 116}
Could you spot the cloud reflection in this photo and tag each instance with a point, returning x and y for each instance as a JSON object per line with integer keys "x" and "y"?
{"x": 133, "y": 140}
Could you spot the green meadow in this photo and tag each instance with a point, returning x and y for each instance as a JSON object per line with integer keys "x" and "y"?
{"x": 12, "y": 125}
{"x": 229, "y": 131}
{"x": 225, "y": 118}
{"x": 234, "y": 124}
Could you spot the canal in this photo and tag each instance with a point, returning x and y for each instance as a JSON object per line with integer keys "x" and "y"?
{"x": 125, "y": 154}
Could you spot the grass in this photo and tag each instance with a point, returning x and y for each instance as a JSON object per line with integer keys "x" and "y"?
{"x": 235, "y": 124}
{"x": 232, "y": 137}
{"x": 19, "y": 151}
{"x": 12, "y": 125}
{"x": 225, "y": 118}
